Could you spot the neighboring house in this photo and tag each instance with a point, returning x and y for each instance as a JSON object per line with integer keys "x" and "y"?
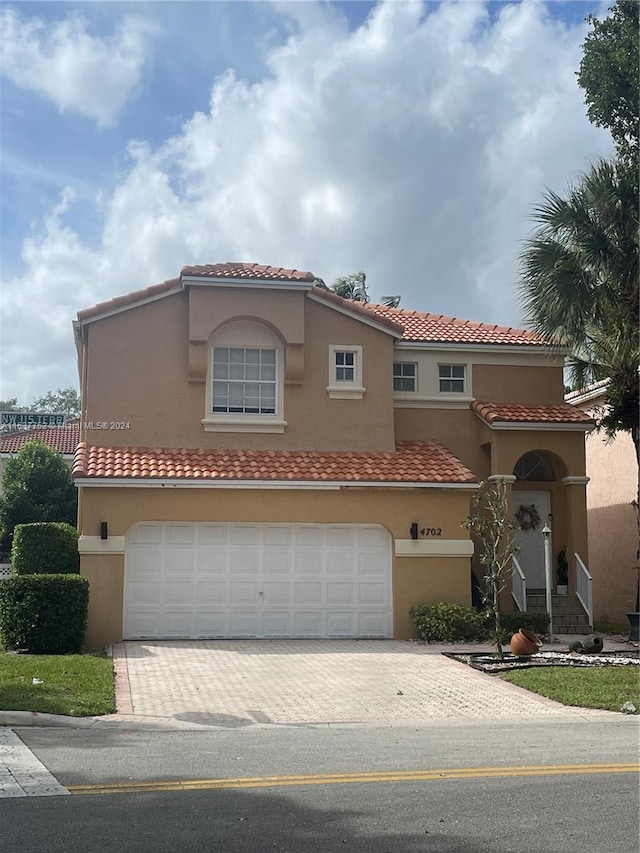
{"x": 612, "y": 468}
{"x": 261, "y": 458}
{"x": 63, "y": 439}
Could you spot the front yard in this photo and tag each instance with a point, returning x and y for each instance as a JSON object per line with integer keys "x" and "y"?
{"x": 605, "y": 687}
{"x": 72, "y": 685}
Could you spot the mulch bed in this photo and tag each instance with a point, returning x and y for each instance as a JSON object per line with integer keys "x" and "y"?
{"x": 486, "y": 662}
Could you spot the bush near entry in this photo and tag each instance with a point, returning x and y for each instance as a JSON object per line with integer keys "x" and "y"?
{"x": 45, "y": 548}
{"x": 445, "y": 622}
{"x": 44, "y": 614}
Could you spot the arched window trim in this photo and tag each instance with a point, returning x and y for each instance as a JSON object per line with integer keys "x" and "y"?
{"x": 533, "y": 466}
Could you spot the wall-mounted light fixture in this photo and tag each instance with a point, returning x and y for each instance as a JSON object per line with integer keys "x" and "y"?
{"x": 104, "y": 531}
{"x": 413, "y": 530}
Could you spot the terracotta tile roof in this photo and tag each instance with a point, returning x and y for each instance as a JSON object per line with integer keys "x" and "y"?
{"x": 244, "y": 270}
{"x": 63, "y": 439}
{"x": 420, "y": 326}
{"x": 359, "y": 308}
{"x": 563, "y": 413}
{"x": 128, "y": 299}
{"x": 414, "y": 462}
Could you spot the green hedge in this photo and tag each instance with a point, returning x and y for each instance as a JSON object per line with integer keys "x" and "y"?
{"x": 444, "y": 622}
{"x": 536, "y": 622}
{"x": 45, "y": 548}
{"x": 44, "y": 614}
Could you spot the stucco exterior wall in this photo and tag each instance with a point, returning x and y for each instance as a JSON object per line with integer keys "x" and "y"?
{"x": 613, "y": 473}
{"x": 138, "y": 374}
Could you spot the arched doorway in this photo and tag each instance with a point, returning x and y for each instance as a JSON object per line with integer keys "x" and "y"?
{"x": 532, "y": 496}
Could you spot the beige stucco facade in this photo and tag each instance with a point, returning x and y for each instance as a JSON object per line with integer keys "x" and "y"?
{"x": 146, "y": 375}
{"x": 612, "y": 469}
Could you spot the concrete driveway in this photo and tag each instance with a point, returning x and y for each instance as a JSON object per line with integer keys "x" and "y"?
{"x": 244, "y": 682}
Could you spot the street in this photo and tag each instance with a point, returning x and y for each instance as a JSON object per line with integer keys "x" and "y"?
{"x": 376, "y": 793}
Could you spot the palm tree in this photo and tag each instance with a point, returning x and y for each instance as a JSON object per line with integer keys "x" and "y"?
{"x": 579, "y": 285}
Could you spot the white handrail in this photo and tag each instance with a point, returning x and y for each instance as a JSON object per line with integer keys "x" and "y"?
{"x": 519, "y": 586}
{"x": 584, "y": 588}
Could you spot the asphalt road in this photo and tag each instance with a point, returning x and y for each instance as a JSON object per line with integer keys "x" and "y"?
{"x": 561, "y": 811}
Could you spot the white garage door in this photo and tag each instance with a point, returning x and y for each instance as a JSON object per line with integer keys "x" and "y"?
{"x": 187, "y": 580}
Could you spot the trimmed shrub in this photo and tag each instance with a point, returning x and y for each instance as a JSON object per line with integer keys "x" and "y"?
{"x": 44, "y": 614}
{"x": 45, "y": 548}
{"x": 536, "y": 622}
{"x": 446, "y": 622}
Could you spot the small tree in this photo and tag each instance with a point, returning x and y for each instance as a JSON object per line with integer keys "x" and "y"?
{"x": 491, "y": 520}
{"x": 353, "y": 286}
{"x": 37, "y": 486}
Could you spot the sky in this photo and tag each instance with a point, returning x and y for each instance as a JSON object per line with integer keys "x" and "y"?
{"x": 409, "y": 140}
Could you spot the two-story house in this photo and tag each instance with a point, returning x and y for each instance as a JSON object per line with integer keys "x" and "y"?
{"x": 261, "y": 458}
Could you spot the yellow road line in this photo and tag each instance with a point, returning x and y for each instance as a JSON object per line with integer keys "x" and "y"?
{"x": 352, "y": 778}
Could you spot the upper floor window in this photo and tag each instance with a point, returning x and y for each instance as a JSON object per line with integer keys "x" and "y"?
{"x": 345, "y": 372}
{"x": 244, "y": 380}
{"x": 452, "y": 377}
{"x": 404, "y": 376}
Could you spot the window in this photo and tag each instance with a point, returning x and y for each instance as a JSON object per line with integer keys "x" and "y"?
{"x": 345, "y": 372}
{"x": 452, "y": 377}
{"x": 244, "y": 380}
{"x": 345, "y": 366}
{"x": 404, "y": 376}
{"x": 533, "y": 466}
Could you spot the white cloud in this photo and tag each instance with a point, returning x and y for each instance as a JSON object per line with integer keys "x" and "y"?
{"x": 90, "y": 75}
{"x": 412, "y": 148}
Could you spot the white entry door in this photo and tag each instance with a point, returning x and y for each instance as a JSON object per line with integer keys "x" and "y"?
{"x": 531, "y": 542}
{"x": 209, "y": 580}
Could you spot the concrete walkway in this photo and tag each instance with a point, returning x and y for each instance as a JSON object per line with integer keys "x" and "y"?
{"x": 243, "y": 682}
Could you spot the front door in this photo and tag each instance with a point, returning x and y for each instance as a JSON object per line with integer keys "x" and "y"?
{"x": 531, "y": 540}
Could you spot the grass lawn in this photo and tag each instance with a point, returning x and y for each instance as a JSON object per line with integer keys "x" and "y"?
{"x": 606, "y": 687}
{"x": 73, "y": 685}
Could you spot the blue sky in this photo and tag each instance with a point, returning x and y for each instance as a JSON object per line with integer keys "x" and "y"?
{"x": 406, "y": 139}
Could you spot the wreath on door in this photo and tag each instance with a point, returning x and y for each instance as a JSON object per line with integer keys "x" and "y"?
{"x": 528, "y": 517}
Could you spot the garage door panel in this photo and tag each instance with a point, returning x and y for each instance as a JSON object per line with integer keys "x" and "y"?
{"x": 341, "y": 625}
{"x": 342, "y": 563}
{"x": 241, "y": 592}
{"x": 243, "y": 624}
{"x": 277, "y": 534}
{"x": 277, "y": 624}
{"x": 340, "y": 593}
{"x": 371, "y": 593}
{"x": 210, "y": 563}
{"x": 188, "y": 579}
{"x": 277, "y": 563}
{"x": 308, "y": 563}
{"x": 244, "y": 534}
{"x": 180, "y": 534}
{"x": 212, "y": 593}
{"x": 308, "y": 535}
{"x": 308, "y": 624}
{"x": 277, "y": 593}
{"x": 211, "y": 624}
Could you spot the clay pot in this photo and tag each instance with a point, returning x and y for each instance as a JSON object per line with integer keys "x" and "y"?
{"x": 525, "y": 642}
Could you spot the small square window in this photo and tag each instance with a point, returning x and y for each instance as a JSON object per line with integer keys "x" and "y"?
{"x": 404, "y": 376}
{"x": 452, "y": 377}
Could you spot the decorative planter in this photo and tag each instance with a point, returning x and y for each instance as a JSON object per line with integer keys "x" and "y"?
{"x": 634, "y": 626}
{"x": 525, "y": 642}
{"x": 562, "y": 589}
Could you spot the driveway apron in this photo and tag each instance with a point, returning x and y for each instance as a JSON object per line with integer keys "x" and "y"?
{"x": 244, "y": 682}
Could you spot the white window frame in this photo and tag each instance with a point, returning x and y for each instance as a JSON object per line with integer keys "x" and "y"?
{"x": 444, "y": 366}
{"x": 259, "y": 382}
{"x": 245, "y": 335}
{"x": 400, "y": 376}
{"x": 345, "y": 389}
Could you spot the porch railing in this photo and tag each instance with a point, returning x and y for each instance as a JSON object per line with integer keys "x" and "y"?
{"x": 519, "y": 586}
{"x": 584, "y": 588}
